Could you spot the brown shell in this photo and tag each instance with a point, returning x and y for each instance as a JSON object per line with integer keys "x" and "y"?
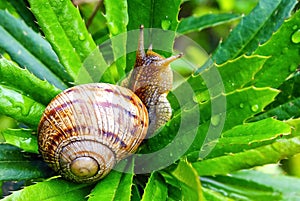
{"x": 87, "y": 129}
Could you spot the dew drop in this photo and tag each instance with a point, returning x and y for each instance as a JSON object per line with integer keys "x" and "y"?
{"x": 254, "y": 108}
{"x": 215, "y": 119}
{"x": 81, "y": 37}
{"x": 295, "y": 27}
{"x": 165, "y": 24}
{"x": 296, "y": 36}
{"x": 241, "y": 105}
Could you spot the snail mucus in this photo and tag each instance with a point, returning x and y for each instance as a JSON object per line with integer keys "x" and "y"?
{"x": 86, "y": 129}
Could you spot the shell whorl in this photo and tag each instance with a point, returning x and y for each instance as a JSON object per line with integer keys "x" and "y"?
{"x": 87, "y": 129}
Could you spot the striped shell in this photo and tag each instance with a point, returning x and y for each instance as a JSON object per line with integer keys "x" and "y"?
{"x": 87, "y": 129}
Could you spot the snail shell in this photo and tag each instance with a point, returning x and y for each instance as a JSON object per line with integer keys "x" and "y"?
{"x": 87, "y": 129}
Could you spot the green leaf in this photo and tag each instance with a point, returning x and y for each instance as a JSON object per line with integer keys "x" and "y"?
{"x": 67, "y": 18}
{"x": 125, "y": 187}
{"x": 96, "y": 23}
{"x": 238, "y": 72}
{"x": 244, "y": 103}
{"x": 29, "y": 49}
{"x": 240, "y": 105}
{"x": 267, "y": 154}
{"x": 1, "y": 188}
{"x": 185, "y": 178}
{"x": 5, "y": 5}
{"x": 295, "y": 124}
{"x": 288, "y": 186}
{"x": 173, "y": 140}
{"x": 17, "y": 165}
{"x": 212, "y": 195}
{"x": 282, "y": 12}
{"x": 154, "y": 14}
{"x": 155, "y": 189}
{"x": 34, "y": 43}
{"x": 287, "y": 103}
{"x": 6, "y": 122}
{"x": 135, "y": 193}
{"x": 248, "y": 136}
{"x": 189, "y": 24}
{"x": 70, "y": 20}
{"x": 253, "y": 29}
{"x": 282, "y": 112}
{"x": 106, "y": 188}
{"x": 235, "y": 74}
{"x": 21, "y": 79}
{"x": 159, "y": 14}
{"x": 289, "y": 90}
{"x": 21, "y": 138}
{"x": 115, "y": 186}
{"x": 117, "y": 16}
{"x": 25, "y": 14}
{"x": 283, "y": 52}
{"x": 64, "y": 29}
{"x": 240, "y": 189}
{"x": 51, "y": 190}
{"x": 20, "y": 107}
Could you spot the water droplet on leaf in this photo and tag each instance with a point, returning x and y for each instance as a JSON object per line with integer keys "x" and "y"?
{"x": 81, "y": 37}
{"x": 215, "y": 119}
{"x": 295, "y": 27}
{"x": 296, "y": 36}
{"x": 242, "y": 105}
{"x": 254, "y": 108}
{"x": 165, "y": 24}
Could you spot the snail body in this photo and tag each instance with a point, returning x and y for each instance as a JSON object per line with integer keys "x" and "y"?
{"x": 87, "y": 129}
{"x": 151, "y": 80}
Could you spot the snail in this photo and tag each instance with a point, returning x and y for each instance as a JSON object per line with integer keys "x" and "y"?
{"x": 86, "y": 129}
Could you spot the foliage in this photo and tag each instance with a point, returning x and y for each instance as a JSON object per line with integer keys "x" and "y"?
{"x": 257, "y": 64}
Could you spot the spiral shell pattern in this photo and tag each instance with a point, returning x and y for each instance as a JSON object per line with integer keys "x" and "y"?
{"x": 87, "y": 129}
